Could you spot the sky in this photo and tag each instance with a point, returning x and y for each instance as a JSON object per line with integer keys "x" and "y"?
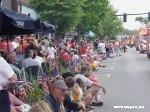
{"x": 131, "y": 7}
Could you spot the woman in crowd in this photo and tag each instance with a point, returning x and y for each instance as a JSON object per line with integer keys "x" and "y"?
{"x": 51, "y": 53}
{"x": 32, "y": 45}
{"x": 37, "y": 58}
{"x": 79, "y": 94}
{"x": 69, "y": 104}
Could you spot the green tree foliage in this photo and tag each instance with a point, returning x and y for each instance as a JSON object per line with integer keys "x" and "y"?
{"x": 142, "y": 20}
{"x": 127, "y": 32}
{"x": 94, "y": 12}
{"x": 100, "y": 18}
{"x": 111, "y": 23}
{"x": 97, "y": 15}
{"x": 65, "y": 14}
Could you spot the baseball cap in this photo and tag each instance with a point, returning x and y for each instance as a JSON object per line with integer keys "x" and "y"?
{"x": 60, "y": 84}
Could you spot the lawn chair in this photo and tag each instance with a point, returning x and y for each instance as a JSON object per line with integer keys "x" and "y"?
{"x": 32, "y": 73}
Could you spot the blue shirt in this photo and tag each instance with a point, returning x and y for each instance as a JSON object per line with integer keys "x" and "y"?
{"x": 29, "y": 62}
{"x": 15, "y": 69}
{"x": 54, "y": 103}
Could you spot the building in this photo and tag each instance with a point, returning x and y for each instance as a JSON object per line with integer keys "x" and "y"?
{"x": 7, "y": 4}
{"x": 21, "y": 6}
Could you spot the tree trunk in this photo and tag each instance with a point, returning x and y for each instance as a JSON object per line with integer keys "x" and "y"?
{"x": 58, "y": 36}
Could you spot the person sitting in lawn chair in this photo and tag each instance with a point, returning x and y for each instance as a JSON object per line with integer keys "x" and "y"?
{"x": 11, "y": 59}
{"x": 31, "y": 65}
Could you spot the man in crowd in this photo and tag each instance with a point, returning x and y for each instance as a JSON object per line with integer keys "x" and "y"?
{"x": 95, "y": 45}
{"x": 16, "y": 42}
{"x": 57, "y": 93}
{"x": 28, "y": 61}
{"x": 94, "y": 87}
{"x": 6, "y": 74}
{"x": 11, "y": 59}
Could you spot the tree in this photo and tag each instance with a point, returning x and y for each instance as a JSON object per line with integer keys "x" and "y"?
{"x": 143, "y": 21}
{"x": 100, "y": 18}
{"x": 127, "y": 32}
{"x": 84, "y": 15}
{"x": 111, "y": 23}
{"x": 94, "y": 12}
{"x": 65, "y": 14}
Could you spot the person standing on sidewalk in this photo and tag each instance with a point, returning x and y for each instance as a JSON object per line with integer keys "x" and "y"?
{"x": 117, "y": 48}
{"x": 103, "y": 49}
{"x": 124, "y": 47}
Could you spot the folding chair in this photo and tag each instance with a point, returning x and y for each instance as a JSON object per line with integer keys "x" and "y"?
{"x": 32, "y": 73}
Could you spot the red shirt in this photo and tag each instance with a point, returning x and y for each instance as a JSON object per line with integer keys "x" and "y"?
{"x": 83, "y": 50}
{"x": 25, "y": 46}
{"x": 7, "y": 48}
{"x": 72, "y": 45}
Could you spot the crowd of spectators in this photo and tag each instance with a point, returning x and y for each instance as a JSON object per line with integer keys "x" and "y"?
{"x": 68, "y": 92}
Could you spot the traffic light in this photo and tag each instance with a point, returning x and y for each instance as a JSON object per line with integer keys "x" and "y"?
{"x": 148, "y": 16}
{"x": 124, "y": 17}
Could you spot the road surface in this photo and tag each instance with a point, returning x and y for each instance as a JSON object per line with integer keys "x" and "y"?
{"x": 127, "y": 81}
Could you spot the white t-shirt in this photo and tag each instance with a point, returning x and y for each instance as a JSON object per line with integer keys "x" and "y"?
{"x": 102, "y": 46}
{"x": 43, "y": 49}
{"x": 51, "y": 52}
{"x": 75, "y": 57}
{"x": 15, "y": 45}
{"x": 5, "y": 72}
{"x": 80, "y": 96}
{"x": 87, "y": 81}
{"x": 39, "y": 60}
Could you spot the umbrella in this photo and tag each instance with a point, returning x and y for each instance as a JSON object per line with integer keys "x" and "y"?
{"x": 90, "y": 34}
{"x": 48, "y": 28}
{"x": 43, "y": 28}
{"x": 12, "y": 23}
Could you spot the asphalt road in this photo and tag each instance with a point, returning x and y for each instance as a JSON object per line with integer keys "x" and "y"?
{"x": 127, "y": 82}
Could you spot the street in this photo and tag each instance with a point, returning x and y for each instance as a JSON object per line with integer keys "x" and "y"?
{"x": 127, "y": 82}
